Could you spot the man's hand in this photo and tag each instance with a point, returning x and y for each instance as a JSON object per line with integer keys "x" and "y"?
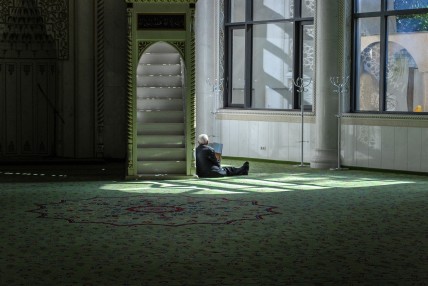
{"x": 218, "y": 156}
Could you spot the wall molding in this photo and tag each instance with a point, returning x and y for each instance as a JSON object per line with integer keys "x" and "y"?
{"x": 130, "y": 97}
{"x": 55, "y": 15}
{"x": 395, "y": 120}
{"x": 179, "y": 45}
{"x": 264, "y": 115}
{"x": 161, "y": 1}
{"x": 99, "y": 79}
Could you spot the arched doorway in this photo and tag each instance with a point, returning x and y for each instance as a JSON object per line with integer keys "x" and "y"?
{"x": 161, "y": 133}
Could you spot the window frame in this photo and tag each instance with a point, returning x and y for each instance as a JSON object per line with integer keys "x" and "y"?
{"x": 383, "y": 14}
{"x": 247, "y": 25}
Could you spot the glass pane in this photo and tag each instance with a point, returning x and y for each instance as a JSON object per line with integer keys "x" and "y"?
{"x": 406, "y": 84}
{"x": 368, "y": 6}
{"x": 308, "y": 8}
{"x": 272, "y": 66}
{"x": 272, "y": 9}
{"x": 410, "y": 23}
{"x": 238, "y": 67}
{"x": 406, "y": 4}
{"x": 237, "y": 10}
{"x": 308, "y": 63}
{"x": 368, "y": 65}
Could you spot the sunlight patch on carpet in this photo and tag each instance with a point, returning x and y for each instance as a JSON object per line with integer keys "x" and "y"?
{"x": 336, "y": 181}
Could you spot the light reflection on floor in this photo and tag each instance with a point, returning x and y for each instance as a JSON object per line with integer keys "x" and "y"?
{"x": 261, "y": 184}
{"x": 30, "y": 174}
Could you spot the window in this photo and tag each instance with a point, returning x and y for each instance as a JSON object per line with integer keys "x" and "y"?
{"x": 391, "y": 62}
{"x": 269, "y": 43}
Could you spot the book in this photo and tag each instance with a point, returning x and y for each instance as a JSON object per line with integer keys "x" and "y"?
{"x": 218, "y": 149}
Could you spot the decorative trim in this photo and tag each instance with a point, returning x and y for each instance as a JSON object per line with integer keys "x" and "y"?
{"x": 314, "y": 87}
{"x": 261, "y": 115}
{"x": 130, "y": 99}
{"x": 99, "y": 80}
{"x": 55, "y": 15}
{"x": 179, "y": 45}
{"x": 162, "y": 1}
{"x": 192, "y": 61}
{"x": 221, "y": 45}
{"x": 386, "y": 120}
{"x": 150, "y": 21}
{"x": 143, "y": 45}
{"x": 386, "y": 116}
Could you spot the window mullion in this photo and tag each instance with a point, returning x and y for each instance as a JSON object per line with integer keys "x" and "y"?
{"x": 248, "y": 65}
{"x": 356, "y": 61}
{"x": 228, "y": 73}
{"x": 297, "y": 8}
{"x": 297, "y": 65}
{"x": 249, "y": 11}
{"x": 383, "y": 60}
{"x": 248, "y": 54}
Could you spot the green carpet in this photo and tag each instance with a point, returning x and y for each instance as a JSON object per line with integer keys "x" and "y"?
{"x": 281, "y": 225}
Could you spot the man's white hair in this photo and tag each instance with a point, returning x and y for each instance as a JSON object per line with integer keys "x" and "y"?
{"x": 203, "y": 139}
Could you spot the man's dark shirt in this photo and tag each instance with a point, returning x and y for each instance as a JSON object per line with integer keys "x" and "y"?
{"x": 207, "y": 164}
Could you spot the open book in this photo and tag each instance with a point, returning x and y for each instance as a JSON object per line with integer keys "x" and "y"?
{"x": 218, "y": 149}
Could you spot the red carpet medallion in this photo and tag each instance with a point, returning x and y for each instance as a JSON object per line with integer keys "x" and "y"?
{"x": 154, "y": 210}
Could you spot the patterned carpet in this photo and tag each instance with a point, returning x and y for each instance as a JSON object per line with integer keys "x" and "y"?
{"x": 281, "y": 225}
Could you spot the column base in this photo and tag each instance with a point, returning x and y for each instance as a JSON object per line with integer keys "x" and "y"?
{"x": 324, "y": 159}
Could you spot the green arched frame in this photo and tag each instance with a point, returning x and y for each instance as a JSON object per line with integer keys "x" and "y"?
{"x": 138, "y": 42}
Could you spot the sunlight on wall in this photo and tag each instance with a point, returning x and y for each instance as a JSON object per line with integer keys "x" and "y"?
{"x": 276, "y": 36}
{"x": 272, "y": 9}
{"x": 273, "y": 65}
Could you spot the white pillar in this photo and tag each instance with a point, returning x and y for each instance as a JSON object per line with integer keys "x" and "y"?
{"x": 424, "y": 77}
{"x": 206, "y": 63}
{"x": 328, "y": 63}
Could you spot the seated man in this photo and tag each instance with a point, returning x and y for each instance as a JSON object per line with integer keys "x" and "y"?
{"x": 208, "y": 166}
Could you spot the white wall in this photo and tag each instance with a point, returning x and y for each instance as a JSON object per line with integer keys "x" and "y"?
{"x": 272, "y": 140}
{"x": 385, "y": 147}
{"x": 367, "y": 146}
